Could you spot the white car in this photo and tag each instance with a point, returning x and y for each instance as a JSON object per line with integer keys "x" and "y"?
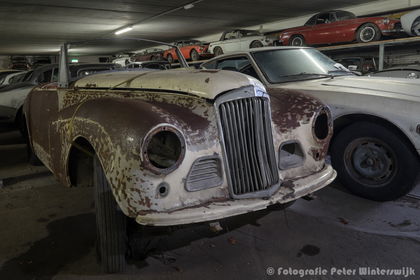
{"x": 12, "y": 78}
{"x": 122, "y": 60}
{"x": 239, "y": 40}
{"x": 411, "y": 23}
{"x": 6, "y": 73}
{"x": 376, "y": 145}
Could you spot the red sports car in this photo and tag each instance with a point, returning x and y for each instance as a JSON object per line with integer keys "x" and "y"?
{"x": 191, "y": 49}
{"x": 339, "y": 26}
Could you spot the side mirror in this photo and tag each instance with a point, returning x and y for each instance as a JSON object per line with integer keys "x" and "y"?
{"x": 352, "y": 67}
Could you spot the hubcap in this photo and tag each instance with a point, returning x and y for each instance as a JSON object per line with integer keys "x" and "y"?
{"x": 370, "y": 161}
{"x": 297, "y": 41}
{"x": 367, "y": 34}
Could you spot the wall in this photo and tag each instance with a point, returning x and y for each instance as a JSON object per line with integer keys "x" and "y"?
{"x": 4, "y": 62}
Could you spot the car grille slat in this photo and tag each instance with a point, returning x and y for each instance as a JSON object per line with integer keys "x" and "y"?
{"x": 248, "y": 143}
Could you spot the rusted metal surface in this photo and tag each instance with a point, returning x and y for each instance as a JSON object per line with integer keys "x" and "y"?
{"x": 116, "y": 123}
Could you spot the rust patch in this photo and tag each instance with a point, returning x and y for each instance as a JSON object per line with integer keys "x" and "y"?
{"x": 290, "y": 109}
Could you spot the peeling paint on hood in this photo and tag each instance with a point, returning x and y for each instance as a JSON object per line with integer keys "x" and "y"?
{"x": 202, "y": 83}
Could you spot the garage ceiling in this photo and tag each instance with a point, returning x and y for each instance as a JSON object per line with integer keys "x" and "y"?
{"x": 35, "y": 28}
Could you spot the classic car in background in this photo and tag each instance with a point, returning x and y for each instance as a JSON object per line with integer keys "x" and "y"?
{"x": 376, "y": 143}
{"x": 123, "y": 60}
{"x": 337, "y": 27}
{"x": 177, "y": 147}
{"x": 411, "y": 23}
{"x": 13, "y": 78}
{"x": 191, "y": 49}
{"x": 13, "y": 96}
{"x": 361, "y": 64}
{"x": 19, "y": 63}
{"x": 5, "y": 73}
{"x": 154, "y": 54}
{"x": 238, "y": 40}
{"x": 402, "y": 71}
{"x": 158, "y": 65}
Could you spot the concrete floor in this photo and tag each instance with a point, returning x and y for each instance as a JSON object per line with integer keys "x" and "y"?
{"x": 48, "y": 232}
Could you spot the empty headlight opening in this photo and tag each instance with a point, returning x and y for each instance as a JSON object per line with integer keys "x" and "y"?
{"x": 322, "y": 126}
{"x": 290, "y": 155}
{"x": 163, "y": 150}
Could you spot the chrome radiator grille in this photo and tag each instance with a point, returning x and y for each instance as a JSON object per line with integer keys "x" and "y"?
{"x": 248, "y": 144}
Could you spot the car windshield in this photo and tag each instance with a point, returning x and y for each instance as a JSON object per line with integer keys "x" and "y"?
{"x": 247, "y": 33}
{"x": 286, "y": 65}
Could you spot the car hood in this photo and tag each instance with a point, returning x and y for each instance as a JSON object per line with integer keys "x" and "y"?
{"x": 396, "y": 88}
{"x": 202, "y": 83}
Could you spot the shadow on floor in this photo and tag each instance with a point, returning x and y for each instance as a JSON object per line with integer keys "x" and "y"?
{"x": 69, "y": 239}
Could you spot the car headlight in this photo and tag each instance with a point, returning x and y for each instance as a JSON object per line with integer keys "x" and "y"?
{"x": 163, "y": 149}
{"x": 322, "y": 126}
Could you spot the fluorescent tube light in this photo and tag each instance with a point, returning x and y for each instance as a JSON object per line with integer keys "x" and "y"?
{"x": 123, "y": 30}
{"x": 188, "y": 6}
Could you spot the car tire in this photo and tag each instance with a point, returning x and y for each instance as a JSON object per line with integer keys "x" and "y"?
{"x": 368, "y": 32}
{"x": 415, "y": 27}
{"x": 194, "y": 55}
{"x": 374, "y": 161}
{"x": 218, "y": 51}
{"x": 255, "y": 44}
{"x": 31, "y": 156}
{"x": 170, "y": 58}
{"x": 111, "y": 224}
{"x": 297, "y": 40}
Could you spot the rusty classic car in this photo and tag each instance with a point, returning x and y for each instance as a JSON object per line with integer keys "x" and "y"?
{"x": 177, "y": 147}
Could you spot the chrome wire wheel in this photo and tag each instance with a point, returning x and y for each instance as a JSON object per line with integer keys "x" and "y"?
{"x": 297, "y": 41}
{"x": 370, "y": 162}
{"x": 367, "y": 34}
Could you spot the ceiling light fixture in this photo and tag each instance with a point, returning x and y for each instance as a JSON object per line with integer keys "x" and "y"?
{"x": 123, "y": 30}
{"x": 189, "y": 6}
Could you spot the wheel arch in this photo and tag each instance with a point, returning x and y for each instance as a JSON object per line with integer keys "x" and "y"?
{"x": 256, "y": 40}
{"x": 345, "y": 120}
{"x": 79, "y": 167}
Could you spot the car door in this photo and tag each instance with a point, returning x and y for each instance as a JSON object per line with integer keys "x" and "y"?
{"x": 41, "y": 109}
{"x": 231, "y": 42}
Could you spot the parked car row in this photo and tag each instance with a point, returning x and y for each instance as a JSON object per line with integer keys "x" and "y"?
{"x": 336, "y": 26}
{"x": 16, "y": 86}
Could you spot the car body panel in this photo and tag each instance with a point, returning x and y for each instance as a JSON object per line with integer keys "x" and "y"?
{"x": 115, "y": 112}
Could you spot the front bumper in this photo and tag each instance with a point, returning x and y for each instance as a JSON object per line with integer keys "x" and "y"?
{"x": 219, "y": 210}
